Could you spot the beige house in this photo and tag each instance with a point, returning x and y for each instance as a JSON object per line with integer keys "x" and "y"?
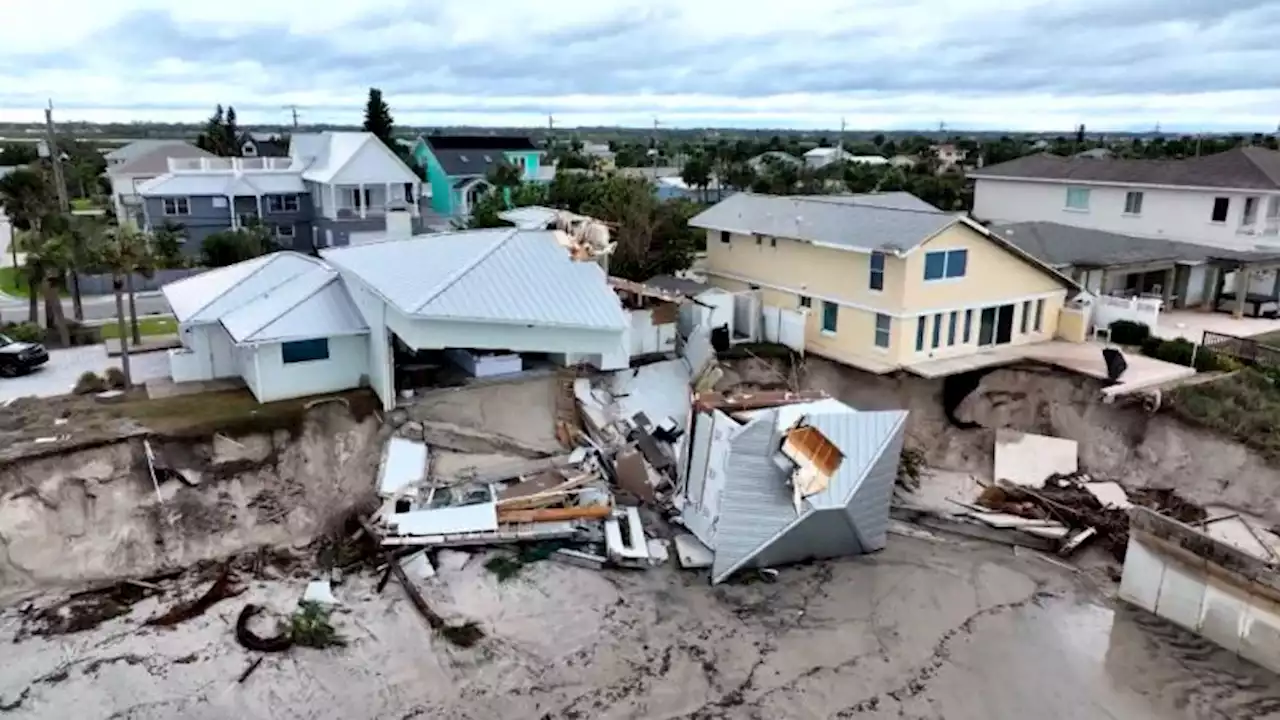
{"x": 887, "y": 284}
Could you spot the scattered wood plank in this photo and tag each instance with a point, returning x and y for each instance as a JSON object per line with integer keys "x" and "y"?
{"x": 249, "y": 670}
{"x": 222, "y": 589}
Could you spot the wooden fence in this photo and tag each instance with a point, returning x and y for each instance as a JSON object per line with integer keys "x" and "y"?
{"x": 1246, "y": 350}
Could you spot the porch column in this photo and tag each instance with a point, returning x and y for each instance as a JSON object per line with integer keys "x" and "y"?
{"x": 1102, "y": 282}
{"x": 364, "y": 206}
{"x": 386, "y": 199}
{"x": 259, "y": 199}
{"x": 1168, "y": 289}
{"x": 1243, "y": 275}
{"x": 333, "y": 202}
{"x": 231, "y": 207}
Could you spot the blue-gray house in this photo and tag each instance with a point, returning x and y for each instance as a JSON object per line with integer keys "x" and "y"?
{"x": 335, "y": 188}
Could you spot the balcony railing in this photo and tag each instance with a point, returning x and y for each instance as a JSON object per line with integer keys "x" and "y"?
{"x": 220, "y": 164}
{"x": 375, "y": 210}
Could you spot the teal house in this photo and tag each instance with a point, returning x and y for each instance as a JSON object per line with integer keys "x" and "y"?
{"x": 457, "y": 165}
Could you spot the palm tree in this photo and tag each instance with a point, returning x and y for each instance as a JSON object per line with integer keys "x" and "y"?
{"x": 127, "y": 252}
{"x": 48, "y": 259}
{"x": 696, "y": 173}
{"x": 123, "y": 251}
{"x": 27, "y": 198}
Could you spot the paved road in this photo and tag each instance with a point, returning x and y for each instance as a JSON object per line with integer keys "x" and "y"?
{"x": 59, "y": 375}
{"x": 96, "y": 307}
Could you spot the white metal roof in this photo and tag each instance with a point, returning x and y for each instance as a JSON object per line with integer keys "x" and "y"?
{"x": 338, "y": 149}
{"x": 206, "y": 297}
{"x": 532, "y": 217}
{"x": 503, "y": 276}
{"x": 272, "y": 182}
{"x": 313, "y": 304}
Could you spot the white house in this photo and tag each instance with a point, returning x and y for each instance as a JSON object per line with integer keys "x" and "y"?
{"x": 1228, "y": 200}
{"x": 292, "y": 325}
{"x": 282, "y": 322}
{"x": 824, "y": 156}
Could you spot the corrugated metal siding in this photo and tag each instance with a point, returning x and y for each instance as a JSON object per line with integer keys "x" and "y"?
{"x": 820, "y": 534}
{"x": 531, "y": 278}
{"x": 868, "y": 508}
{"x": 756, "y": 503}
{"x": 861, "y": 436}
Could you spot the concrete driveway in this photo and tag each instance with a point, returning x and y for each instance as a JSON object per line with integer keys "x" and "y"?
{"x": 59, "y": 375}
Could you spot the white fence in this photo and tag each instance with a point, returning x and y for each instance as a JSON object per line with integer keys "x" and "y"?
{"x": 1107, "y": 310}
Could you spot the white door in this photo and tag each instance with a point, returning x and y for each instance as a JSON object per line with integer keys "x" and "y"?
{"x": 791, "y": 324}
{"x": 772, "y": 323}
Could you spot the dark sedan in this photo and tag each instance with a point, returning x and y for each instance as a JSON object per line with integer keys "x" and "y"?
{"x": 17, "y": 357}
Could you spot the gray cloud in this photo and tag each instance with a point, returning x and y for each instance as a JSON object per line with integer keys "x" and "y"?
{"x": 1090, "y": 48}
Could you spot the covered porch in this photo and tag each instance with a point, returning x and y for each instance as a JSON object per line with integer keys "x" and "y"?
{"x": 369, "y": 200}
{"x": 1244, "y": 283}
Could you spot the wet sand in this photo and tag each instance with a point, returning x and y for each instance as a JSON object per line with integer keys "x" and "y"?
{"x": 922, "y": 630}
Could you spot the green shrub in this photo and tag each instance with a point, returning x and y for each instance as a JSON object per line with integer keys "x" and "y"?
{"x": 1179, "y": 351}
{"x": 1128, "y": 332}
{"x": 114, "y": 378}
{"x": 1151, "y": 346}
{"x": 1182, "y": 351}
{"x": 24, "y": 332}
{"x": 90, "y": 382}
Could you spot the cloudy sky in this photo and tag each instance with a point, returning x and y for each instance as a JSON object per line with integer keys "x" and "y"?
{"x": 1021, "y": 64}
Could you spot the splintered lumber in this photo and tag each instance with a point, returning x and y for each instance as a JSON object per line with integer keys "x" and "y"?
{"x": 590, "y": 512}
{"x": 464, "y": 635}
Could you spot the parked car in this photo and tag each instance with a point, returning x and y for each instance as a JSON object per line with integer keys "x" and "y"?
{"x": 17, "y": 357}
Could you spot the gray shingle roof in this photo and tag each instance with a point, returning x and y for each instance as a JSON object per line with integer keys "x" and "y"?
{"x": 897, "y": 200}
{"x": 847, "y": 223}
{"x": 1249, "y": 168}
{"x": 1065, "y": 245}
{"x": 156, "y": 161}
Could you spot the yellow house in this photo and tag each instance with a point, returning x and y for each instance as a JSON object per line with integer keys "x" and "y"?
{"x": 889, "y": 281}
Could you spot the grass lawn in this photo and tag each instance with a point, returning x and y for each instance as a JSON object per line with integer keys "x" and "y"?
{"x": 12, "y": 282}
{"x": 84, "y": 204}
{"x": 1244, "y": 405}
{"x": 146, "y": 326}
{"x": 1270, "y": 338}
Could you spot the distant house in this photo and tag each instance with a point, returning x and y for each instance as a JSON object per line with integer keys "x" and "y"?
{"x": 254, "y": 144}
{"x": 761, "y": 162}
{"x": 457, "y": 165}
{"x": 600, "y": 154}
{"x": 138, "y": 162}
{"x": 949, "y": 156}
{"x": 335, "y": 188}
{"x": 1096, "y": 153}
{"x": 1230, "y": 199}
{"x": 905, "y": 162}
{"x": 824, "y": 156}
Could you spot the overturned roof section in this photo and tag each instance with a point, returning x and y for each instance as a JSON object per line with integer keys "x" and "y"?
{"x": 1251, "y": 168}
{"x": 499, "y": 276}
{"x": 758, "y": 522}
{"x": 274, "y": 298}
{"x": 845, "y": 224}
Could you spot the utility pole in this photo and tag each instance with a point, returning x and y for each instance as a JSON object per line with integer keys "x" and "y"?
{"x": 655, "y": 146}
{"x": 294, "y": 111}
{"x": 840, "y": 142}
{"x": 64, "y": 208}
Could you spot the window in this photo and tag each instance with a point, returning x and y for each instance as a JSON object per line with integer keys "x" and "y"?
{"x": 1039, "y": 314}
{"x": 724, "y": 236}
{"x": 1077, "y": 198}
{"x": 284, "y": 231}
{"x": 830, "y": 314}
{"x": 1133, "y": 203}
{"x": 1026, "y": 315}
{"x": 773, "y": 241}
{"x": 883, "y": 324}
{"x": 219, "y": 202}
{"x": 877, "y": 271}
{"x": 177, "y": 206}
{"x": 760, "y": 241}
{"x": 357, "y": 201}
{"x": 1250, "y": 214}
{"x": 1220, "y": 207}
{"x": 282, "y": 203}
{"x": 806, "y": 301}
{"x": 408, "y": 193}
{"x": 304, "y": 350}
{"x": 247, "y": 219}
{"x": 951, "y": 329}
{"x": 519, "y": 161}
{"x": 968, "y": 325}
{"x": 920, "y": 323}
{"x": 937, "y": 330}
{"x": 945, "y": 264}
{"x": 1273, "y": 207}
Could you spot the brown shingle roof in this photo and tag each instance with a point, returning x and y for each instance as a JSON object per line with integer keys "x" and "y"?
{"x": 1248, "y": 168}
